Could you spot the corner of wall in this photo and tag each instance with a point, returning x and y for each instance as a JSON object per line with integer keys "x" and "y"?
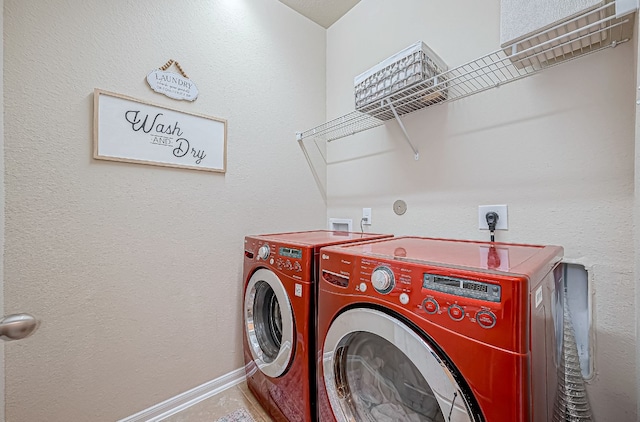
{"x": 636, "y": 201}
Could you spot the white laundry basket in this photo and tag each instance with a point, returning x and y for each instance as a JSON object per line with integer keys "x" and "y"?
{"x": 416, "y": 65}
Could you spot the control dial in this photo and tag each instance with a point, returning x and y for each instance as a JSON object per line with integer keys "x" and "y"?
{"x": 486, "y": 319}
{"x": 383, "y": 280}
{"x": 430, "y": 306}
{"x": 456, "y": 312}
{"x": 264, "y": 252}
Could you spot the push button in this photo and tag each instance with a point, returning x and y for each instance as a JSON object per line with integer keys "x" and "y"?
{"x": 430, "y": 306}
{"x": 456, "y": 312}
{"x": 486, "y": 319}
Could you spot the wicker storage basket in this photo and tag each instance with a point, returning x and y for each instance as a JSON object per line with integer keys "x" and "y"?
{"x": 415, "y": 66}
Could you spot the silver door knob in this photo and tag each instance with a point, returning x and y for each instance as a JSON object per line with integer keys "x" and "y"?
{"x": 18, "y": 326}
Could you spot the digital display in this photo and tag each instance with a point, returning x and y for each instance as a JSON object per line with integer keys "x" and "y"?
{"x": 475, "y": 286}
{"x": 446, "y": 281}
{"x": 462, "y": 287}
{"x": 290, "y": 252}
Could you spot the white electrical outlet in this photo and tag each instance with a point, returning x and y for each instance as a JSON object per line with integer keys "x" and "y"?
{"x": 501, "y": 210}
{"x": 366, "y": 216}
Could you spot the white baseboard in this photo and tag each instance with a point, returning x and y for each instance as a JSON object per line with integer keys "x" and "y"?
{"x": 187, "y": 399}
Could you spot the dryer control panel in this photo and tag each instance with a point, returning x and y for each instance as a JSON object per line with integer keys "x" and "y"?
{"x": 292, "y": 260}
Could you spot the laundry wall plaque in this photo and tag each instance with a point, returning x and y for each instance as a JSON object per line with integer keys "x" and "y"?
{"x": 173, "y": 85}
{"x": 131, "y": 130}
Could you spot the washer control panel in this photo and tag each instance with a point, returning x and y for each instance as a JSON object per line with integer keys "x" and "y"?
{"x": 486, "y": 306}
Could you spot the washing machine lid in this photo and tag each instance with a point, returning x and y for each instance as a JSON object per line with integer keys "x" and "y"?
{"x": 504, "y": 257}
{"x": 321, "y": 238}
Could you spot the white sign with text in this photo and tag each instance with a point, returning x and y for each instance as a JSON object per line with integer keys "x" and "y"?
{"x": 131, "y": 130}
{"x": 172, "y": 85}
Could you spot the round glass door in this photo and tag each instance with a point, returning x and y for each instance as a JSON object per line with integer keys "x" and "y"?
{"x": 378, "y": 369}
{"x": 268, "y": 320}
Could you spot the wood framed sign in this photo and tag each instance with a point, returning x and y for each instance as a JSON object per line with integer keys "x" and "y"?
{"x": 134, "y": 131}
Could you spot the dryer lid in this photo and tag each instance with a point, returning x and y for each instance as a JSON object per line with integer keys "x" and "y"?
{"x": 320, "y": 238}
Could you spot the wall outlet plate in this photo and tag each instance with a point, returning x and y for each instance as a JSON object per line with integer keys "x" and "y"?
{"x": 340, "y": 224}
{"x": 366, "y": 216}
{"x": 501, "y": 210}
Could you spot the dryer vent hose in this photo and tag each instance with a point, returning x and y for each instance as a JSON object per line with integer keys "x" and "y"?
{"x": 571, "y": 404}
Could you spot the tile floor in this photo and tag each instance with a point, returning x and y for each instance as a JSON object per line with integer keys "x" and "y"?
{"x": 222, "y": 404}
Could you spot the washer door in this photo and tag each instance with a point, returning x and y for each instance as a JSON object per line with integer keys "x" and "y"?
{"x": 268, "y": 319}
{"x": 376, "y": 369}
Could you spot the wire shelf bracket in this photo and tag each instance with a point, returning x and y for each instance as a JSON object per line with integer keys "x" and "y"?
{"x": 416, "y": 154}
{"x": 606, "y": 26}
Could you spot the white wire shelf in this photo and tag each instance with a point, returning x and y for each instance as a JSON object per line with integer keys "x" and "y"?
{"x": 587, "y": 33}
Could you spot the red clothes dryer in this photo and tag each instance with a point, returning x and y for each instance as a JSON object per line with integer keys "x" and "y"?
{"x": 280, "y": 273}
{"x": 418, "y": 329}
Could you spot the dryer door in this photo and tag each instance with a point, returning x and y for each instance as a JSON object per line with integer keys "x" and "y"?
{"x": 377, "y": 368}
{"x": 269, "y": 325}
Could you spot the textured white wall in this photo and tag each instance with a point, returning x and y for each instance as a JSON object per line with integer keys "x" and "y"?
{"x": 2, "y": 213}
{"x": 557, "y": 147}
{"x": 136, "y": 270}
{"x": 636, "y": 209}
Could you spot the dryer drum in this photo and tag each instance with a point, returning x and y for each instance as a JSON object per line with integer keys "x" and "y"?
{"x": 268, "y": 321}
{"x": 269, "y": 325}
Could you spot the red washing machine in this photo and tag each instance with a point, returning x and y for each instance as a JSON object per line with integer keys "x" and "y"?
{"x": 280, "y": 273}
{"x": 419, "y": 329}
